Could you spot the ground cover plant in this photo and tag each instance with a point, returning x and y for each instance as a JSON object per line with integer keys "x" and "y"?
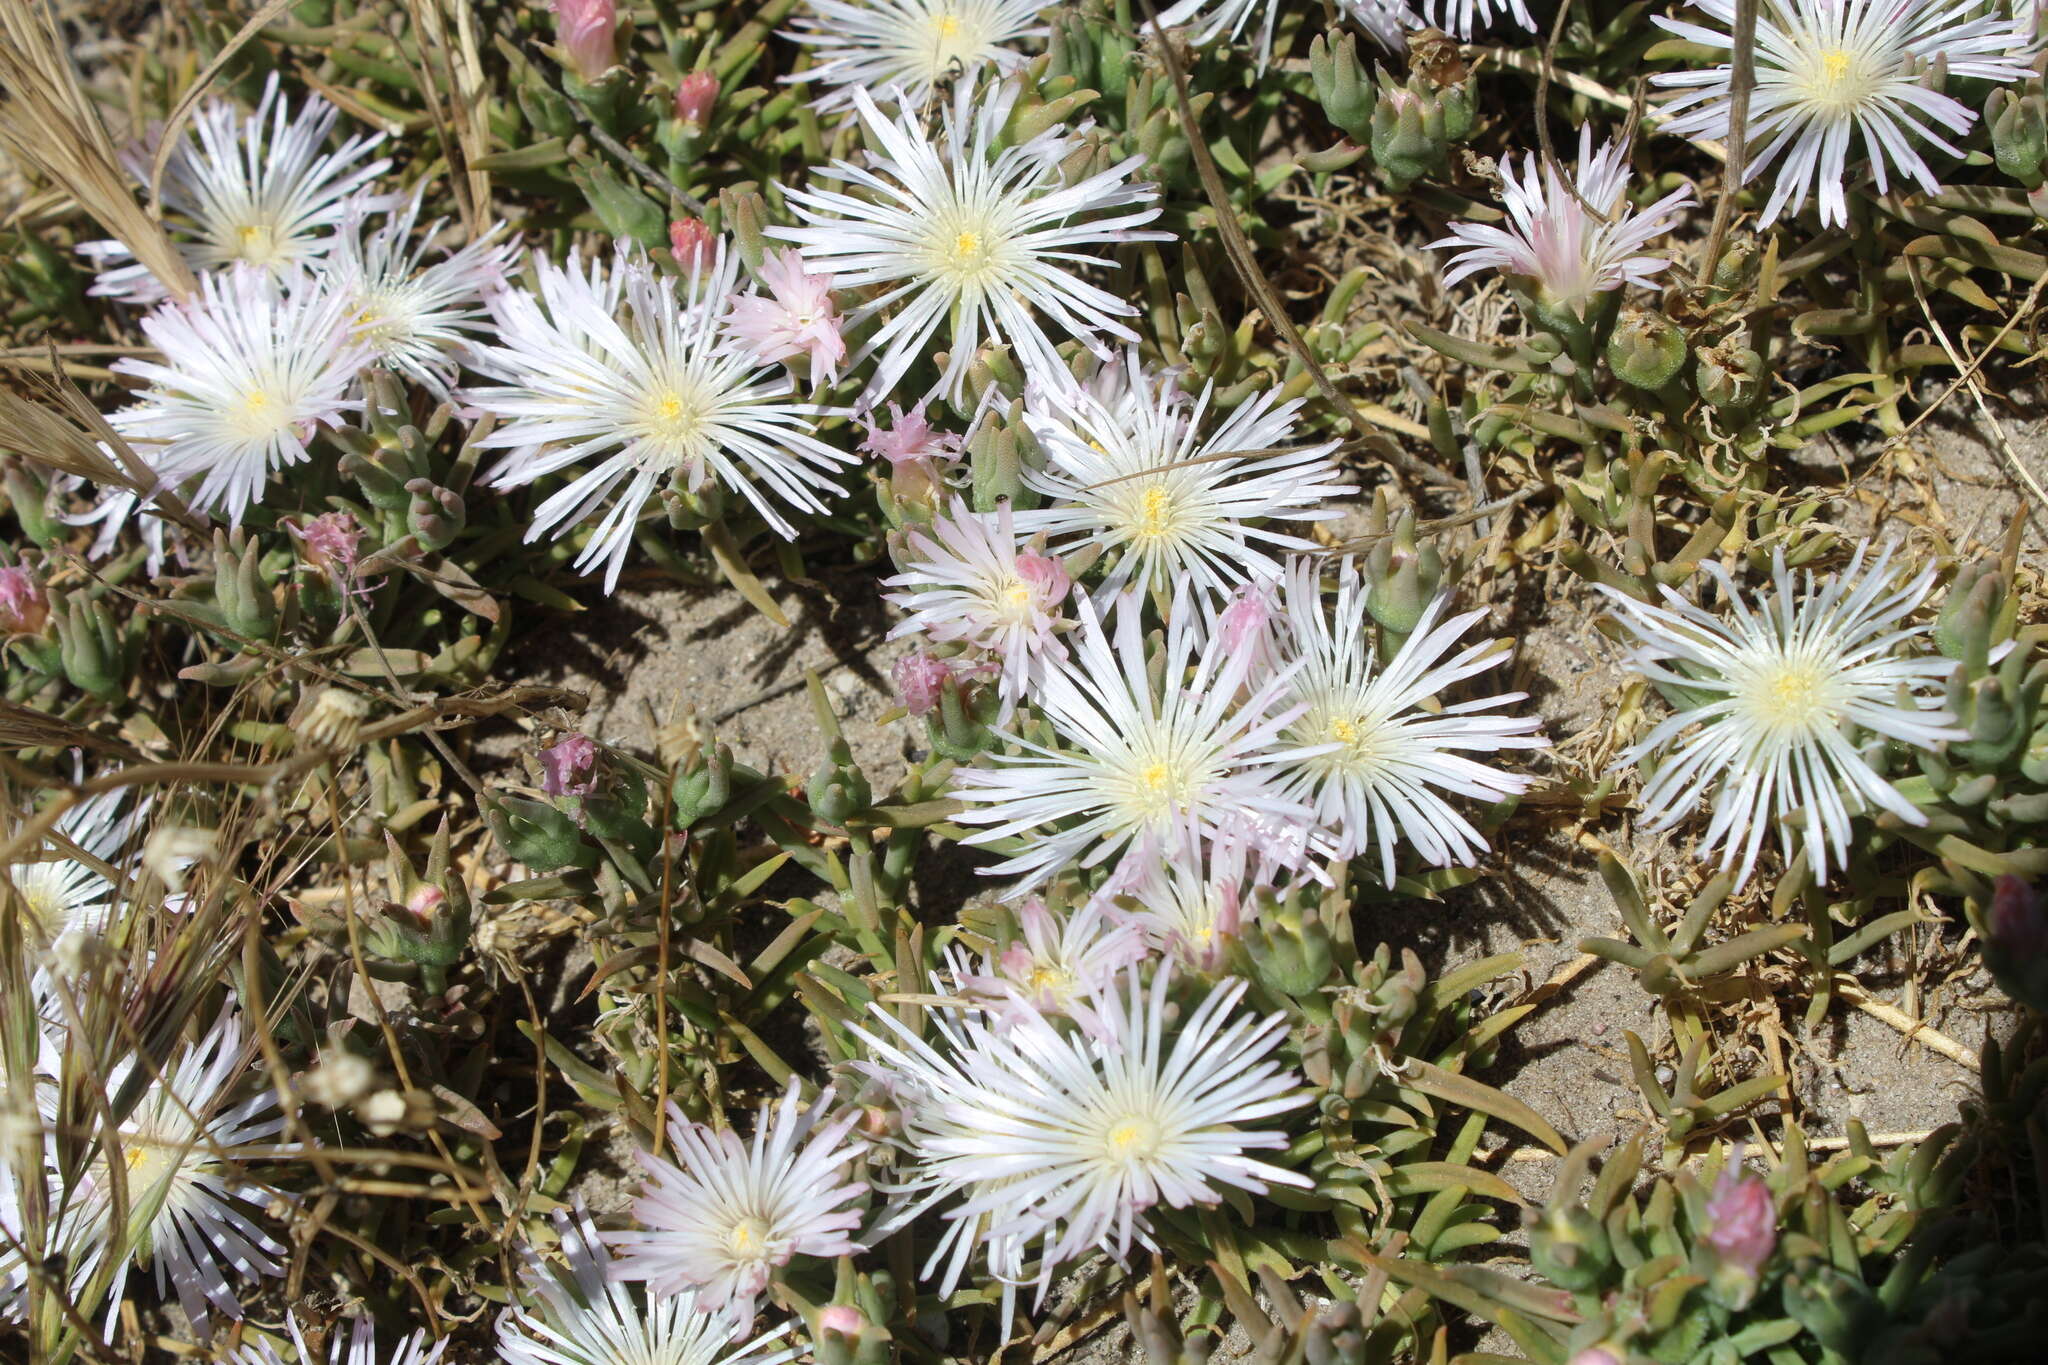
{"x": 1335, "y": 682}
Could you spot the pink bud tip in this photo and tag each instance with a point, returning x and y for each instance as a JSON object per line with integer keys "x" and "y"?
{"x": 842, "y": 1318}
{"x": 690, "y": 240}
{"x": 24, "y": 606}
{"x": 695, "y": 94}
{"x": 588, "y": 33}
{"x": 1742, "y": 1221}
{"x": 918, "y": 679}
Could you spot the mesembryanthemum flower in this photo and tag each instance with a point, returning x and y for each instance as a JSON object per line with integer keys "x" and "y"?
{"x": 191, "y": 1210}
{"x": 1830, "y": 72}
{"x": 612, "y": 366}
{"x": 963, "y": 234}
{"x": 1558, "y": 247}
{"x": 1130, "y": 471}
{"x": 1133, "y": 758}
{"x": 1056, "y": 964}
{"x": 259, "y": 190}
{"x": 356, "y": 1346}
{"x": 59, "y": 893}
{"x": 1033, "y": 1136}
{"x": 724, "y": 1216}
{"x": 252, "y": 367}
{"x": 585, "y": 1315}
{"x": 969, "y": 582}
{"x": 1381, "y": 762}
{"x": 904, "y": 49}
{"x": 416, "y": 317}
{"x": 1773, "y": 703}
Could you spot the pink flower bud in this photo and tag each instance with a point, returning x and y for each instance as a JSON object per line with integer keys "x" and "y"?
{"x": 2018, "y": 928}
{"x": 567, "y": 766}
{"x": 919, "y": 677}
{"x": 1244, "y": 620}
{"x": 842, "y": 1318}
{"x": 328, "y": 544}
{"x": 1742, "y": 1221}
{"x": 1047, "y": 576}
{"x": 694, "y": 96}
{"x": 690, "y": 241}
{"x": 424, "y": 903}
{"x": 24, "y": 606}
{"x": 588, "y": 31}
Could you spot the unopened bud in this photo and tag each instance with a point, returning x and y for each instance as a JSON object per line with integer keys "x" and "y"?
{"x": 1741, "y": 1233}
{"x": 689, "y": 241}
{"x": 919, "y": 676}
{"x": 587, "y": 31}
{"x": 695, "y": 94}
{"x": 1645, "y": 350}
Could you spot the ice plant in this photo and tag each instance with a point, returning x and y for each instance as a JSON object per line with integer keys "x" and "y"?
{"x": 1057, "y": 964}
{"x": 904, "y": 49}
{"x": 1741, "y": 1232}
{"x": 1832, "y": 73}
{"x": 722, "y": 1217}
{"x": 1567, "y": 241}
{"x": 252, "y": 368}
{"x": 587, "y": 32}
{"x": 1773, "y": 701}
{"x": 1134, "y": 467}
{"x": 355, "y": 1346}
{"x": 1133, "y": 757}
{"x": 919, "y": 677}
{"x": 610, "y": 365}
{"x": 24, "y": 605}
{"x": 581, "y": 1313}
{"x": 695, "y": 94}
{"x": 797, "y": 318}
{"x": 1067, "y": 1141}
{"x": 191, "y": 1212}
{"x": 567, "y": 766}
{"x": 60, "y": 893}
{"x": 1190, "y": 895}
{"x": 969, "y": 582}
{"x": 416, "y": 317}
{"x": 1383, "y": 764}
{"x": 260, "y": 189}
{"x": 963, "y": 234}
{"x": 329, "y": 544}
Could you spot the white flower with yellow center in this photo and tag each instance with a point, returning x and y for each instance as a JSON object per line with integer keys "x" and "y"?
{"x": 969, "y": 582}
{"x": 1385, "y": 753}
{"x": 357, "y": 1345}
{"x": 722, "y": 1217}
{"x": 961, "y": 233}
{"x": 614, "y": 367}
{"x": 1135, "y": 468}
{"x": 191, "y": 1205}
{"x": 1056, "y": 963}
{"x": 61, "y": 893}
{"x": 1192, "y": 896}
{"x": 1776, "y": 702}
{"x": 1831, "y": 72}
{"x": 904, "y": 49}
{"x": 253, "y": 366}
{"x": 416, "y": 317}
{"x": 261, "y": 190}
{"x": 1137, "y": 750}
{"x": 582, "y": 1313}
{"x": 1025, "y": 1135}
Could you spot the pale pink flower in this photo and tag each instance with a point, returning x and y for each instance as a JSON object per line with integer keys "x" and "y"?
{"x": 842, "y": 1318}
{"x": 1741, "y": 1232}
{"x": 328, "y": 543}
{"x": 689, "y": 240}
{"x": 1056, "y": 964}
{"x": 24, "y": 606}
{"x": 588, "y": 33}
{"x": 797, "y": 317}
{"x": 695, "y": 94}
{"x": 910, "y": 437}
{"x": 568, "y": 765}
{"x": 919, "y": 677}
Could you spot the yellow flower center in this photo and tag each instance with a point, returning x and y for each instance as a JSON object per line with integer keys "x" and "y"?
{"x": 1133, "y": 1139}
{"x": 748, "y": 1239}
{"x": 257, "y": 243}
{"x": 1839, "y": 81}
{"x": 258, "y": 416}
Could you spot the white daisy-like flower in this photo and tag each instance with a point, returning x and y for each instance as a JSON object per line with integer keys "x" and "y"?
{"x": 1057, "y": 964}
{"x": 357, "y": 1346}
{"x": 722, "y": 1217}
{"x": 1383, "y": 762}
{"x": 1130, "y": 471}
{"x": 1028, "y": 1135}
{"x": 908, "y": 48}
{"x": 1387, "y": 21}
{"x": 1775, "y": 702}
{"x": 612, "y": 366}
{"x": 191, "y": 1210}
{"x": 1463, "y": 18}
{"x": 261, "y": 190}
{"x": 1832, "y": 72}
{"x": 969, "y": 582}
{"x": 1191, "y": 895}
{"x": 416, "y": 317}
{"x": 1567, "y": 242}
{"x": 962, "y": 233}
{"x": 585, "y": 1315}
{"x": 1133, "y": 758}
{"x": 62, "y": 894}
{"x": 252, "y": 367}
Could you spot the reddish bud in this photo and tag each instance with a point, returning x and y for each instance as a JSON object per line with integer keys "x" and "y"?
{"x": 690, "y": 241}
{"x": 24, "y": 606}
{"x": 587, "y": 31}
{"x": 695, "y": 94}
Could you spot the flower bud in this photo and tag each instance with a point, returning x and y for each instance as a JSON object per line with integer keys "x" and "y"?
{"x": 1409, "y": 139}
{"x": 91, "y": 649}
{"x": 963, "y": 726}
{"x": 1741, "y": 1233}
{"x": 328, "y": 544}
{"x": 1645, "y": 350}
{"x": 1569, "y": 1247}
{"x": 1402, "y": 577}
{"x": 702, "y": 786}
{"x": 587, "y": 32}
{"x": 2016, "y": 941}
{"x": 695, "y": 94}
{"x": 435, "y": 516}
{"x": 535, "y": 833}
{"x": 838, "y": 789}
{"x": 24, "y": 606}
{"x": 1729, "y": 374}
{"x": 689, "y": 241}
{"x": 1342, "y": 86}
{"x": 244, "y": 599}
{"x": 1595, "y": 1355}
{"x": 919, "y": 677}
{"x": 2019, "y": 135}
{"x": 1290, "y": 953}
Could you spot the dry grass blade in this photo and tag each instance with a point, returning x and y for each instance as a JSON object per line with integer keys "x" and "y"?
{"x": 168, "y": 142}
{"x": 48, "y": 124}
{"x": 53, "y": 423}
